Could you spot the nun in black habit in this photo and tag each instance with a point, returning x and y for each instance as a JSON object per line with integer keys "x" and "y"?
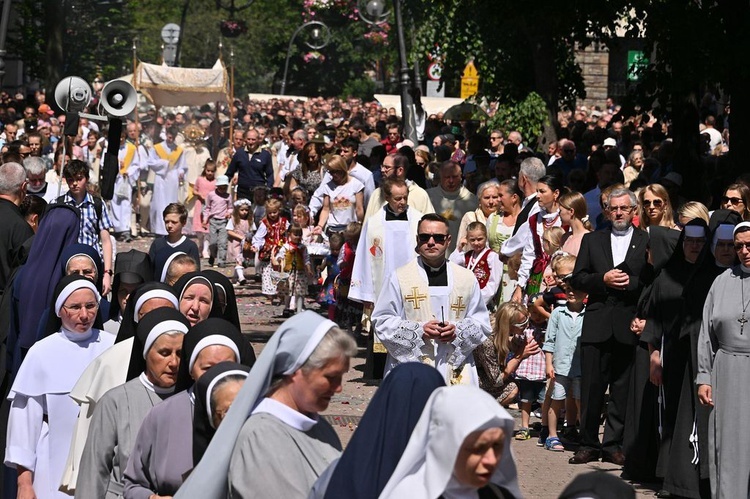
{"x": 668, "y": 355}
{"x": 641, "y": 438}
{"x": 686, "y": 471}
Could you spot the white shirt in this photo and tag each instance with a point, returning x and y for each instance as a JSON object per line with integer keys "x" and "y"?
{"x": 620, "y": 241}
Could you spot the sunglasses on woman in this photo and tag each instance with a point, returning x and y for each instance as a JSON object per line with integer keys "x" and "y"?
{"x": 732, "y": 200}
{"x": 658, "y": 203}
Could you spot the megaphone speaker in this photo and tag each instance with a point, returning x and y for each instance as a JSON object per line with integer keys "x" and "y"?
{"x": 118, "y": 98}
{"x": 73, "y": 94}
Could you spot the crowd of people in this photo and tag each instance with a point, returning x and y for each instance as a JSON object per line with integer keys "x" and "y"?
{"x": 475, "y": 272}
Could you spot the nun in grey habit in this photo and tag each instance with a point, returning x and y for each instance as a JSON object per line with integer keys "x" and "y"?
{"x": 272, "y": 443}
{"x": 120, "y": 412}
{"x": 162, "y": 456}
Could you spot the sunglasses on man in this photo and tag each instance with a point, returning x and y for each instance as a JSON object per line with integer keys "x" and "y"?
{"x": 425, "y": 238}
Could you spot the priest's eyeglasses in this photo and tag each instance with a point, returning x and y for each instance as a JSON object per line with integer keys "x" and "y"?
{"x": 739, "y": 246}
{"x": 439, "y": 238}
{"x": 624, "y": 209}
{"x": 76, "y": 308}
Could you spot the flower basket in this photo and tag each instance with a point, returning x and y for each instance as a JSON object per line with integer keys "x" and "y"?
{"x": 232, "y": 28}
{"x": 313, "y": 56}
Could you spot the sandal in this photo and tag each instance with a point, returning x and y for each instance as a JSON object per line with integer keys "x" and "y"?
{"x": 522, "y": 434}
{"x": 554, "y": 444}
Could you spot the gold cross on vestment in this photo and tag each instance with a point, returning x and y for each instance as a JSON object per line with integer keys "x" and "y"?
{"x": 415, "y": 298}
{"x": 459, "y": 306}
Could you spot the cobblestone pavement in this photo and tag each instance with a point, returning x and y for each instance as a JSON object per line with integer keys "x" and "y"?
{"x": 542, "y": 474}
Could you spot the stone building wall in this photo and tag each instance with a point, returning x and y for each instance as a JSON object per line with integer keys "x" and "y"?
{"x": 594, "y": 62}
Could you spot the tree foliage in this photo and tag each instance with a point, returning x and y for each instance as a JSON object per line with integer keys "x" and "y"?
{"x": 82, "y": 37}
{"x": 528, "y": 117}
{"x": 71, "y": 37}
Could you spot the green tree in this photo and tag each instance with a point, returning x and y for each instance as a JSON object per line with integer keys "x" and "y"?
{"x": 71, "y": 37}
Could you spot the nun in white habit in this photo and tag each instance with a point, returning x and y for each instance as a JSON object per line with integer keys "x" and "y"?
{"x": 42, "y": 415}
{"x": 109, "y": 370}
{"x": 120, "y": 412}
{"x": 460, "y": 449}
{"x": 281, "y": 445}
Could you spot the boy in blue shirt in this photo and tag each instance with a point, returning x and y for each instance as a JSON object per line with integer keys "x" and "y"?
{"x": 562, "y": 349}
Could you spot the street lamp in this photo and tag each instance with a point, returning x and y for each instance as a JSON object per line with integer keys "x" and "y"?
{"x": 375, "y": 12}
{"x": 320, "y": 36}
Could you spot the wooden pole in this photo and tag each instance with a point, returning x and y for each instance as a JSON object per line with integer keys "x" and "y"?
{"x": 137, "y": 207}
{"x": 231, "y": 98}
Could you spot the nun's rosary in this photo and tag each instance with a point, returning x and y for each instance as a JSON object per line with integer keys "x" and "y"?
{"x": 742, "y": 319}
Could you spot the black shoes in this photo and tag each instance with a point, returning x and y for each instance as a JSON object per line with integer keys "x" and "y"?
{"x": 584, "y": 456}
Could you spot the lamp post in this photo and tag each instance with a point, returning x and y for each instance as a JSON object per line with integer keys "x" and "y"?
{"x": 320, "y": 36}
{"x": 375, "y": 12}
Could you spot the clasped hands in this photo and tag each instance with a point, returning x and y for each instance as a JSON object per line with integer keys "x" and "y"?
{"x": 617, "y": 279}
{"x": 442, "y": 332}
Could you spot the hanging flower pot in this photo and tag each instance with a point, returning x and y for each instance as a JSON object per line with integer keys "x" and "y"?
{"x": 313, "y": 56}
{"x": 232, "y": 28}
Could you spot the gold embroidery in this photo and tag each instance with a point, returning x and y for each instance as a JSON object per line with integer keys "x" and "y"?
{"x": 458, "y": 307}
{"x": 415, "y": 298}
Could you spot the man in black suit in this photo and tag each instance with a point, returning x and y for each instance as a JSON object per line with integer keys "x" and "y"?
{"x": 612, "y": 268}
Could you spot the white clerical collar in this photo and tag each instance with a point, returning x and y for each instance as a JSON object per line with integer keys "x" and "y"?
{"x": 152, "y": 387}
{"x": 77, "y": 337}
{"x": 622, "y": 233}
{"x": 286, "y": 414}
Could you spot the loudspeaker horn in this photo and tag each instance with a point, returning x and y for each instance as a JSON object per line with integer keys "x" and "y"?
{"x": 119, "y": 98}
{"x": 73, "y": 94}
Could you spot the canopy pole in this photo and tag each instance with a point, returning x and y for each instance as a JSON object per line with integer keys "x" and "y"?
{"x": 137, "y": 207}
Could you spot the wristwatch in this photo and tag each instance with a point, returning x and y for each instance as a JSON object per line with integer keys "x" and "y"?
{"x": 109, "y": 272}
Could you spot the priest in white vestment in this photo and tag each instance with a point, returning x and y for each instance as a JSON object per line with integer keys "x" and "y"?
{"x": 431, "y": 310}
{"x": 167, "y": 161}
{"x": 132, "y": 159}
{"x": 397, "y": 166}
{"x": 381, "y": 250}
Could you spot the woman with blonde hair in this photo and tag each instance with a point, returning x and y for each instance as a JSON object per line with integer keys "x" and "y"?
{"x": 423, "y": 158}
{"x": 654, "y": 207}
{"x": 343, "y": 198}
{"x": 574, "y": 214}
{"x": 495, "y": 374}
{"x": 691, "y": 210}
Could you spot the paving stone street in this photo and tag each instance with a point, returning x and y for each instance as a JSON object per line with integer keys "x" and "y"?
{"x": 542, "y": 474}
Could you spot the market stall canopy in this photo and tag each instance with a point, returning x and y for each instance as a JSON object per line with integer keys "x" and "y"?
{"x": 166, "y": 86}
{"x": 432, "y": 105}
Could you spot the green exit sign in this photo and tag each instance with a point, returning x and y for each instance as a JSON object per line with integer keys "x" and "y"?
{"x": 637, "y": 61}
